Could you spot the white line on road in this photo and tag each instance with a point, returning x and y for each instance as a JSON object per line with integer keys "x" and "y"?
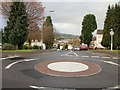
{"x": 105, "y": 57}
{"x": 113, "y": 88}
{"x": 110, "y": 62}
{"x": 84, "y": 56}
{"x": 9, "y": 57}
{"x": 69, "y": 53}
{"x": 95, "y": 56}
{"x": 76, "y": 54}
{"x": 48, "y": 88}
{"x": 116, "y": 58}
{"x": 36, "y": 87}
{"x": 25, "y": 60}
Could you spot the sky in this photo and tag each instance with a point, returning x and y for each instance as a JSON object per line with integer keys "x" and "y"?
{"x": 68, "y": 14}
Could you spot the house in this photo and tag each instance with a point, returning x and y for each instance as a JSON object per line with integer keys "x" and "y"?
{"x": 98, "y": 39}
{"x": 36, "y": 42}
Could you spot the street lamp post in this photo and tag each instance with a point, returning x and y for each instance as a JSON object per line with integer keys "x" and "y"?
{"x": 111, "y": 33}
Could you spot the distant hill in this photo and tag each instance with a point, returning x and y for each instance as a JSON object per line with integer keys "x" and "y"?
{"x": 65, "y": 36}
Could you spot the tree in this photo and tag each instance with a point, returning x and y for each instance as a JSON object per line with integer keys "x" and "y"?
{"x": 112, "y": 21}
{"x": 35, "y": 12}
{"x": 16, "y": 30}
{"x": 88, "y": 26}
{"x": 107, "y": 26}
{"x": 48, "y": 35}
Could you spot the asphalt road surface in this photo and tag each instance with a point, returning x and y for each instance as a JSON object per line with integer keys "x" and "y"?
{"x": 19, "y": 72}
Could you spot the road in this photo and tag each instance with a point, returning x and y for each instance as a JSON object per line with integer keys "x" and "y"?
{"x": 19, "y": 72}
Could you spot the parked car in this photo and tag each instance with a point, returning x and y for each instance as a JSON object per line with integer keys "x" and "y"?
{"x": 91, "y": 46}
{"x": 84, "y": 47}
{"x": 76, "y": 48}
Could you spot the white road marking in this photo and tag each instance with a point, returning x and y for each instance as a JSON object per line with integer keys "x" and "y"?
{"x": 105, "y": 57}
{"x": 9, "y": 57}
{"x": 76, "y": 54}
{"x": 113, "y": 88}
{"x": 116, "y": 58}
{"x": 25, "y": 60}
{"x": 36, "y": 87}
{"x": 95, "y": 56}
{"x": 67, "y": 54}
{"x": 84, "y": 56}
{"x": 110, "y": 62}
{"x": 47, "y": 88}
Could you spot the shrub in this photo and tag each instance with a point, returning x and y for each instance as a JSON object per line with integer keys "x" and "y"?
{"x": 30, "y": 47}
{"x": 36, "y": 47}
{"x": 25, "y": 47}
{"x": 7, "y": 46}
{"x": 65, "y": 46}
{"x": 58, "y": 46}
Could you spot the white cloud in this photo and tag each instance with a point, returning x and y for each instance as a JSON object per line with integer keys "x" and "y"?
{"x": 67, "y": 27}
{"x": 68, "y": 16}
{"x": 78, "y": 0}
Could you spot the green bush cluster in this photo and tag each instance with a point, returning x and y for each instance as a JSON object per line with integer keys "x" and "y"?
{"x": 7, "y": 46}
{"x": 58, "y": 46}
{"x": 65, "y": 47}
{"x": 30, "y": 47}
{"x": 36, "y": 47}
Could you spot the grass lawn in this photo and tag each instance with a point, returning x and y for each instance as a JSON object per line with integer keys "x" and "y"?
{"x": 107, "y": 50}
{"x": 19, "y": 50}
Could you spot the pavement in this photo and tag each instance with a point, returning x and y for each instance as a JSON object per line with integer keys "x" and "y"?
{"x": 106, "y": 53}
{"x": 18, "y": 73}
{"x": 23, "y": 53}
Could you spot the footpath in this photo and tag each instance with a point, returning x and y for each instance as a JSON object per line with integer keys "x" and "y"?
{"x": 23, "y": 53}
{"x": 106, "y": 53}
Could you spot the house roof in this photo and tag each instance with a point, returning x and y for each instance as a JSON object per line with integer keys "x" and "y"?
{"x": 99, "y": 31}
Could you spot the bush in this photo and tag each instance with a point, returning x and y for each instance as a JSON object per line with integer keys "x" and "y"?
{"x": 65, "y": 47}
{"x": 7, "y": 46}
{"x": 30, "y": 47}
{"x": 25, "y": 47}
{"x": 58, "y": 46}
{"x": 36, "y": 47}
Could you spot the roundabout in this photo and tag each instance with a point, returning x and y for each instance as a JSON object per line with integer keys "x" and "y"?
{"x": 68, "y": 68}
{"x": 57, "y": 72}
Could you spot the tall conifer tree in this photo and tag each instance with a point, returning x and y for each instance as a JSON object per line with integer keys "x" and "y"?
{"x": 88, "y": 26}
{"x": 16, "y": 30}
{"x": 112, "y": 21}
{"x": 48, "y": 35}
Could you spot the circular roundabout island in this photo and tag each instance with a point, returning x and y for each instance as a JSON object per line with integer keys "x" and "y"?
{"x": 68, "y": 68}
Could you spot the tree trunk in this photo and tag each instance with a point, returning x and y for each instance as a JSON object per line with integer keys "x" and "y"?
{"x": 16, "y": 46}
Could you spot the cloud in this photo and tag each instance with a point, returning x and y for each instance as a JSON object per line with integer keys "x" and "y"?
{"x": 68, "y": 16}
{"x": 79, "y": 0}
{"x": 67, "y": 27}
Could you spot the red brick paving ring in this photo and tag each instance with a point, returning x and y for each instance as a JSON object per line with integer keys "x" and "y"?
{"x": 68, "y": 68}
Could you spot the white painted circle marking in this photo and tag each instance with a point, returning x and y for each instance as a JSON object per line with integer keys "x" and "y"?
{"x": 67, "y": 66}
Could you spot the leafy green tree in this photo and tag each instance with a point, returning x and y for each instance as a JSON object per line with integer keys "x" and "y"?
{"x": 16, "y": 30}
{"x": 48, "y": 34}
{"x": 112, "y": 21}
{"x": 88, "y": 26}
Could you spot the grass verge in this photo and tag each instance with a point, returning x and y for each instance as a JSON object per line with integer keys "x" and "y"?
{"x": 107, "y": 50}
{"x": 18, "y": 50}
